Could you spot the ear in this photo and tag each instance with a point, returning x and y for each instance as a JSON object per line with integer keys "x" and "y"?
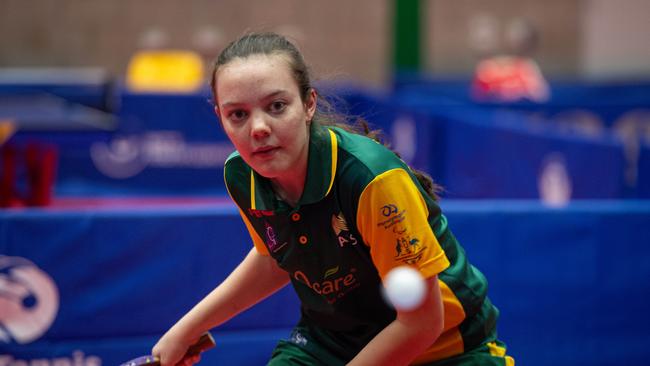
{"x": 310, "y": 104}
{"x": 216, "y": 111}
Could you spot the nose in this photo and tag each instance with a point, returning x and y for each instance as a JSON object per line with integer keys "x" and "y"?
{"x": 259, "y": 126}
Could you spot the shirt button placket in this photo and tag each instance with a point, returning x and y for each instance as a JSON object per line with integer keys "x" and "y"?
{"x": 302, "y": 239}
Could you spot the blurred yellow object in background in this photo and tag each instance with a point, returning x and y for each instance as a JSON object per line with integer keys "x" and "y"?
{"x": 165, "y": 71}
{"x": 7, "y": 129}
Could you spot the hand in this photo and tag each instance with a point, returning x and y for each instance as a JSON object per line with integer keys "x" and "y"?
{"x": 189, "y": 361}
{"x": 171, "y": 349}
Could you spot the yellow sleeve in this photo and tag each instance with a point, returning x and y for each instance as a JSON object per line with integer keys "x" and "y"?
{"x": 392, "y": 220}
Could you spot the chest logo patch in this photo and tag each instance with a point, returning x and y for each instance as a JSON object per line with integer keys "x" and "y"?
{"x": 340, "y": 227}
{"x": 271, "y": 239}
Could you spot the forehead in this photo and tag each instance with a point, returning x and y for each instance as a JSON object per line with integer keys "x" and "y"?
{"x": 254, "y": 73}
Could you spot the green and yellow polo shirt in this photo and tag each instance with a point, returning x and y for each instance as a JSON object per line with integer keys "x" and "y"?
{"x": 362, "y": 213}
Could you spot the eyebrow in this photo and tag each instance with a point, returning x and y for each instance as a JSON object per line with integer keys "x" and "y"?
{"x": 266, "y": 97}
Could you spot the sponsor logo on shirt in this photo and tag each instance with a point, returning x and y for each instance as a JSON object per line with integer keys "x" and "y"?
{"x": 298, "y": 338}
{"x": 272, "y": 239}
{"x": 408, "y": 248}
{"x": 260, "y": 213}
{"x": 340, "y": 227}
{"x": 393, "y": 216}
{"x": 389, "y": 210}
{"x": 334, "y": 286}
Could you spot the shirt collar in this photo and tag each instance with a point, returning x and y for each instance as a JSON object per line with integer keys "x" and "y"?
{"x": 321, "y": 170}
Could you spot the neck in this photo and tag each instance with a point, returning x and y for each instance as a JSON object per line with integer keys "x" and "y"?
{"x": 289, "y": 189}
{"x": 289, "y": 186}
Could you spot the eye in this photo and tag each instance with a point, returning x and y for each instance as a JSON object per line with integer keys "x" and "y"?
{"x": 277, "y": 106}
{"x": 237, "y": 115}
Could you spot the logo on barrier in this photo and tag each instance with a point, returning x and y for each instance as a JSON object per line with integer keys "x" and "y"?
{"x": 404, "y": 138}
{"x": 127, "y": 156}
{"x": 554, "y": 182}
{"x": 29, "y": 300}
{"x": 76, "y": 358}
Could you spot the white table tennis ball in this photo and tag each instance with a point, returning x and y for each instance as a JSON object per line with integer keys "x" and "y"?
{"x": 404, "y": 288}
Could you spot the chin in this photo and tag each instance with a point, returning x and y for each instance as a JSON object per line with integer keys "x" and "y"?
{"x": 268, "y": 172}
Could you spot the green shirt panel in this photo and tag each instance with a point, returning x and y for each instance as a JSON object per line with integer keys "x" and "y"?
{"x": 318, "y": 244}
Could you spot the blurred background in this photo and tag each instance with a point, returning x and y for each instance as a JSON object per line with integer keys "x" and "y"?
{"x": 591, "y": 39}
{"x": 533, "y": 115}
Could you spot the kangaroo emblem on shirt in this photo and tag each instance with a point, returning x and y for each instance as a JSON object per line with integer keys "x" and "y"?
{"x": 340, "y": 227}
{"x": 407, "y": 245}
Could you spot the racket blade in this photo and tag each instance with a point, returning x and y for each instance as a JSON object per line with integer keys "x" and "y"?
{"x": 142, "y": 361}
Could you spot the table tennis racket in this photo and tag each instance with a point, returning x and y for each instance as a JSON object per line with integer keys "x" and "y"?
{"x": 204, "y": 343}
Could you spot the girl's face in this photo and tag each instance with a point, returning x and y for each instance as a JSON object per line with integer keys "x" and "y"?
{"x": 259, "y": 104}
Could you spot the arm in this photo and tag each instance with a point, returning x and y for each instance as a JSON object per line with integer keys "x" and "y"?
{"x": 256, "y": 277}
{"x": 409, "y": 335}
{"x": 395, "y": 227}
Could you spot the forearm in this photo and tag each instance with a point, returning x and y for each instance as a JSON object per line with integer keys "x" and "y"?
{"x": 409, "y": 335}
{"x": 397, "y": 344}
{"x": 254, "y": 279}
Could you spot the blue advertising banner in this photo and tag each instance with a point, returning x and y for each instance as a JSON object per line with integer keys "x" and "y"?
{"x": 82, "y": 287}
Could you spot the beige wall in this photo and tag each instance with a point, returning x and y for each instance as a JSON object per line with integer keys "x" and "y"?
{"x": 340, "y": 38}
{"x": 616, "y": 38}
{"x": 447, "y": 32}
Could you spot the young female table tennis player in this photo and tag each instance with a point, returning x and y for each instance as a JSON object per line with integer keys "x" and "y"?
{"x": 333, "y": 211}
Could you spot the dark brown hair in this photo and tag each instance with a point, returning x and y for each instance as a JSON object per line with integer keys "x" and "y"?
{"x": 326, "y": 114}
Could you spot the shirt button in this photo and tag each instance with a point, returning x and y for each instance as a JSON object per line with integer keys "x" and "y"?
{"x": 295, "y": 217}
{"x": 302, "y": 239}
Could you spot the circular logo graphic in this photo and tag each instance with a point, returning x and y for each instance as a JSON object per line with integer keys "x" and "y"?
{"x": 120, "y": 159}
{"x": 29, "y": 300}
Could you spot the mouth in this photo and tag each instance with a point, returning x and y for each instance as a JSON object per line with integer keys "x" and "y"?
{"x": 265, "y": 151}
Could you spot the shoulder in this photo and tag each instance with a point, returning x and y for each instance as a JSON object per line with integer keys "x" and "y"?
{"x": 235, "y": 167}
{"x": 361, "y": 157}
{"x": 237, "y": 177}
{"x": 361, "y": 163}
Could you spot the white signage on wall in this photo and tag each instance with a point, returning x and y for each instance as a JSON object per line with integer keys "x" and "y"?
{"x": 29, "y": 300}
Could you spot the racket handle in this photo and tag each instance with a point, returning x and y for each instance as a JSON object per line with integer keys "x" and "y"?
{"x": 203, "y": 344}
